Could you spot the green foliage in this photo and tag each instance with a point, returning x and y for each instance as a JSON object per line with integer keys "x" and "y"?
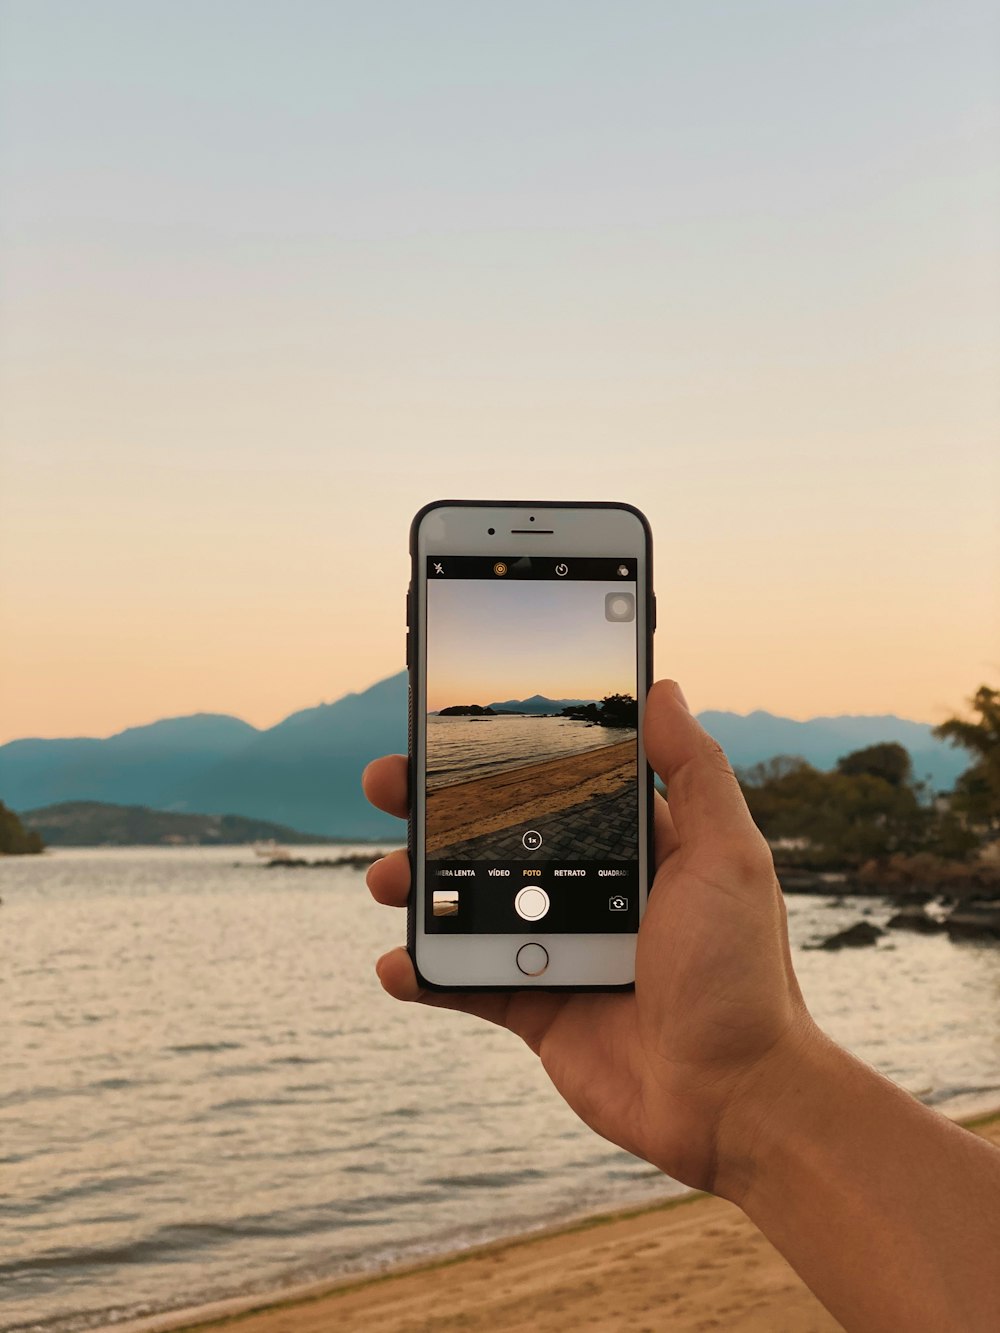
{"x": 889, "y": 761}
{"x": 15, "y": 839}
{"x": 845, "y": 817}
{"x": 977, "y": 792}
{"x": 871, "y": 809}
{"x": 950, "y": 836}
{"x": 614, "y": 710}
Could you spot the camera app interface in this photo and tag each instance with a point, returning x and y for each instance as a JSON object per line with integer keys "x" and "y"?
{"x": 532, "y": 817}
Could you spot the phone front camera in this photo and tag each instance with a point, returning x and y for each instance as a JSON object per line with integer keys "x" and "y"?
{"x": 491, "y": 531}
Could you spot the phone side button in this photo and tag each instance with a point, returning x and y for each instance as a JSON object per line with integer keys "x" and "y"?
{"x": 408, "y": 663}
{"x": 532, "y": 959}
{"x": 653, "y": 625}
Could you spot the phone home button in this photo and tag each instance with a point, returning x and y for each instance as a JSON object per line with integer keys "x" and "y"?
{"x": 532, "y": 959}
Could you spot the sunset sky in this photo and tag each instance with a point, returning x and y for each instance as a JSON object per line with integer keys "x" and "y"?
{"x": 273, "y": 275}
{"x": 488, "y": 642}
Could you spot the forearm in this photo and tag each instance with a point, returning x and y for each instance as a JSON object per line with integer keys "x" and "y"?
{"x": 889, "y": 1212}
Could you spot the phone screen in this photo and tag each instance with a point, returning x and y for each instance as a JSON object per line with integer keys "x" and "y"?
{"x": 532, "y": 780}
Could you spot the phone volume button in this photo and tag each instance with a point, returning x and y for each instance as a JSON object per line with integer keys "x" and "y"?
{"x": 408, "y": 663}
{"x": 652, "y": 623}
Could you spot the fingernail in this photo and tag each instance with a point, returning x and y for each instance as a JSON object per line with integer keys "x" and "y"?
{"x": 679, "y": 695}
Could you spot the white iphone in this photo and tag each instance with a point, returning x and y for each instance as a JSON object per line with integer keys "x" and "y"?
{"x": 529, "y": 649}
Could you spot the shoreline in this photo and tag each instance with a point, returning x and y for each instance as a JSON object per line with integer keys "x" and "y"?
{"x": 499, "y": 801}
{"x": 692, "y": 1258}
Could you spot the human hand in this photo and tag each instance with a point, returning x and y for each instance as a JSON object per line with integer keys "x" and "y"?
{"x": 676, "y": 1070}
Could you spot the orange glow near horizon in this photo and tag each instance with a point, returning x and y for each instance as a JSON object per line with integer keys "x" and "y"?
{"x": 494, "y": 267}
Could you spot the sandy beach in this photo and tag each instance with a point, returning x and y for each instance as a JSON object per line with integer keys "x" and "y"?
{"x": 693, "y": 1263}
{"x": 522, "y": 795}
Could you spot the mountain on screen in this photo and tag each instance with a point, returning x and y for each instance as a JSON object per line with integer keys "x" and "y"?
{"x": 538, "y": 703}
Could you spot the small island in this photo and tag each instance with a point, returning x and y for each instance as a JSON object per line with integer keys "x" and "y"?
{"x": 102, "y": 824}
{"x": 466, "y": 710}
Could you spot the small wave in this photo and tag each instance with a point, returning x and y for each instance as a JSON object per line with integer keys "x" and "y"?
{"x": 239, "y": 1071}
{"x": 489, "y": 1179}
{"x": 112, "y": 1084}
{"x": 947, "y": 1094}
{"x": 85, "y": 1189}
{"x": 205, "y": 1047}
{"x": 247, "y": 1104}
{"x": 50, "y": 1092}
{"x": 638, "y": 1172}
{"x": 170, "y": 1243}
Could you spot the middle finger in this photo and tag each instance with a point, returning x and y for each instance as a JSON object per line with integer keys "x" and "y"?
{"x": 389, "y": 879}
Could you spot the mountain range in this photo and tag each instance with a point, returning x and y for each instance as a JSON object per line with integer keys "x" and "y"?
{"x": 305, "y": 772}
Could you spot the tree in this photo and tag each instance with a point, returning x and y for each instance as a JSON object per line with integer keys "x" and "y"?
{"x": 844, "y": 818}
{"x": 889, "y": 761}
{"x": 619, "y": 710}
{"x": 15, "y": 839}
{"x": 582, "y": 712}
{"x": 614, "y": 710}
{"x": 977, "y": 792}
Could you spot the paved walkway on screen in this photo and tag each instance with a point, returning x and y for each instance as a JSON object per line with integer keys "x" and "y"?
{"x": 602, "y": 828}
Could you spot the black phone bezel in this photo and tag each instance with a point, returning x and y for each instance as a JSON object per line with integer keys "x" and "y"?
{"x": 413, "y": 653}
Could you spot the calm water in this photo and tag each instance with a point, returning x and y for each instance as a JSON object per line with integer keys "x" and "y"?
{"x": 460, "y": 748}
{"x": 205, "y": 1092}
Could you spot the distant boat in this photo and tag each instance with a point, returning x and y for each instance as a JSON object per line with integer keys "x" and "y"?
{"x": 272, "y": 850}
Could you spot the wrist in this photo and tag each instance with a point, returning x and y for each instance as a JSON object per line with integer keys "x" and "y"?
{"x": 771, "y": 1103}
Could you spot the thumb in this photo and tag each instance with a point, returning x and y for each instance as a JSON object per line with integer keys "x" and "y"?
{"x": 705, "y": 799}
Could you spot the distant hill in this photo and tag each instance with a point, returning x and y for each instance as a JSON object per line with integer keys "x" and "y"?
{"x": 98, "y": 824}
{"x": 823, "y": 740}
{"x": 305, "y": 772}
{"x": 538, "y": 703}
{"x": 143, "y": 765}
